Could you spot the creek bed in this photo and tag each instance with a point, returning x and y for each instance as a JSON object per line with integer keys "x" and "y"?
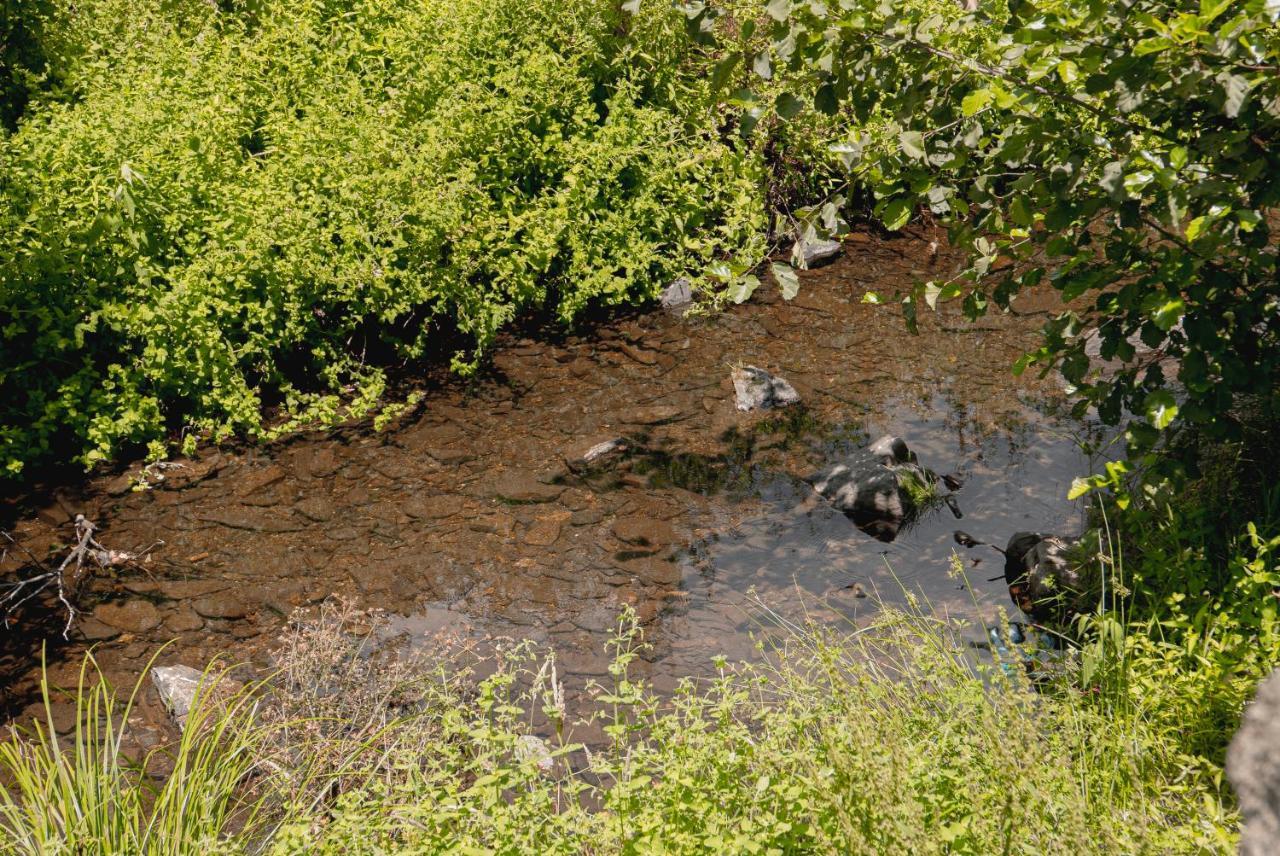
{"x": 463, "y": 516}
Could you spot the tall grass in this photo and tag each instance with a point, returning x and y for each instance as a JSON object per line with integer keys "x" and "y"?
{"x": 882, "y": 739}
{"x": 79, "y": 793}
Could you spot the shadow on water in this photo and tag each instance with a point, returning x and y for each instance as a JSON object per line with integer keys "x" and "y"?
{"x": 774, "y": 538}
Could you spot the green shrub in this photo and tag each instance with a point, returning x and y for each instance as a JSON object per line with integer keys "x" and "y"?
{"x": 889, "y": 738}
{"x": 254, "y": 206}
{"x": 1195, "y": 625}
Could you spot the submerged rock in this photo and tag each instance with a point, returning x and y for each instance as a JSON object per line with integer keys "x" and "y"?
{"x": 1253, "y": 766}
{"x": 880, "y": 488}
{"x": 1048, "y": 579}
{"x": 756, "y": 389}
{"x": 643, "y": 531}
{"x": 132, "y": 616}
{"x": 597, "y": 455}
{"x": 516, "y": 486}
{"x": 819, "y": 253}
{"x": 657, "y": 414}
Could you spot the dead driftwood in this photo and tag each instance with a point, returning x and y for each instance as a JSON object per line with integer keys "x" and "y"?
{"x": 65, "y": 580}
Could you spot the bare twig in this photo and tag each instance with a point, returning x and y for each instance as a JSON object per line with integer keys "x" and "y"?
{"x": 64, "y": 580}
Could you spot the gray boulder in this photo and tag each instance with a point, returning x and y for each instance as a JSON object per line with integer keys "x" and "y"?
{"x": 819, "y": 253}
{"x": 756, "y": 389}
{"x": 1049, "y": 578}
{"x": 1253, "y": 767}
{"x": 678, "y": 296}
{"x": 177, "y": 686}
{"x": 880, "y": 489}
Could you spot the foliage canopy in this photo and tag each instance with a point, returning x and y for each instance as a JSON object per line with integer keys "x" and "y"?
{"x": 246, "y": 206}
{"x": 1125, "y": 152}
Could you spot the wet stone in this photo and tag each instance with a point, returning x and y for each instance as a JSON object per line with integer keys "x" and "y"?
{"x": 55, "y": 515}
{"x": 93, "y": 630}
{"x": 219, "y": 606}
{"x": 575, "y": 499}
{"x": 597, "y": 619}
{"x": 316, "y": 508}
{"x": 257, "y": 480}
{"x": 321, "y": 463}
{"x": 448, "y": 452}
{"x": 659, "y": 414}
{"x": 245, "y": 630}
{"x": 493, "y": 524}
{"x": 552, "y": 474}
{"x": 586, "y": 517}
{"x": 640, "y": 355}
{"x": 357, "y": 494}
{"x": 643, "y": 531}
{"x": 121, "y": 485}
{"x": 597, "y": 454}
{"x": 133, "y": 616}
{"x": 583, "y": 662}
{"x": 185, "y": 620}
{"x": 518, "y": 486}
{"x": 652, "y": 570}
{"x": 435, "y": 507}
{"x": 184, "y": 589}
{"x": 545, "y": 531}
{"x": 251, "y": 521}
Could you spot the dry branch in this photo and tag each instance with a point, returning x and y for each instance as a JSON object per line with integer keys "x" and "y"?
{"x": 64, "y": 580}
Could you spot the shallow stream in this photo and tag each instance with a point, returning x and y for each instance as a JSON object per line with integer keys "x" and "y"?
{"x": 462, "y": 515}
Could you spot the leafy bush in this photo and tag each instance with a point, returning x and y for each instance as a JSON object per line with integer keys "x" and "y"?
{"x": 887, "y": 739}
{"x": 257, "y": 205}
{"x": 1194, "y": 624}
{"x": 1125, "y": 152}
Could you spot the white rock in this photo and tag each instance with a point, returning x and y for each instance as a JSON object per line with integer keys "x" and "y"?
{"x": 756, "y": 389}
{"x": 603, "y": 450}
{"x": 535, "y": 749}
{"x": 177, "y": 686}
{"x": 597, "y": 454}
{"x": 678, "y": 295}
{"x": 821, "y": 252}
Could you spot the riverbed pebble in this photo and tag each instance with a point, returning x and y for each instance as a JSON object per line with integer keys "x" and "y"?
{"x": 521, "y": 486}
{"x": 132, "y": 616}
{"x": 219, "y": 606}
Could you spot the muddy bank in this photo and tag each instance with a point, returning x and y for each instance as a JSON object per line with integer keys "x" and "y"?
{"x": 466, "y": 516}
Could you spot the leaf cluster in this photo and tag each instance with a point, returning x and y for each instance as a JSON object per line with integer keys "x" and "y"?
{"x": 246, "y": 209}
{"x": 1124, "y": 154}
